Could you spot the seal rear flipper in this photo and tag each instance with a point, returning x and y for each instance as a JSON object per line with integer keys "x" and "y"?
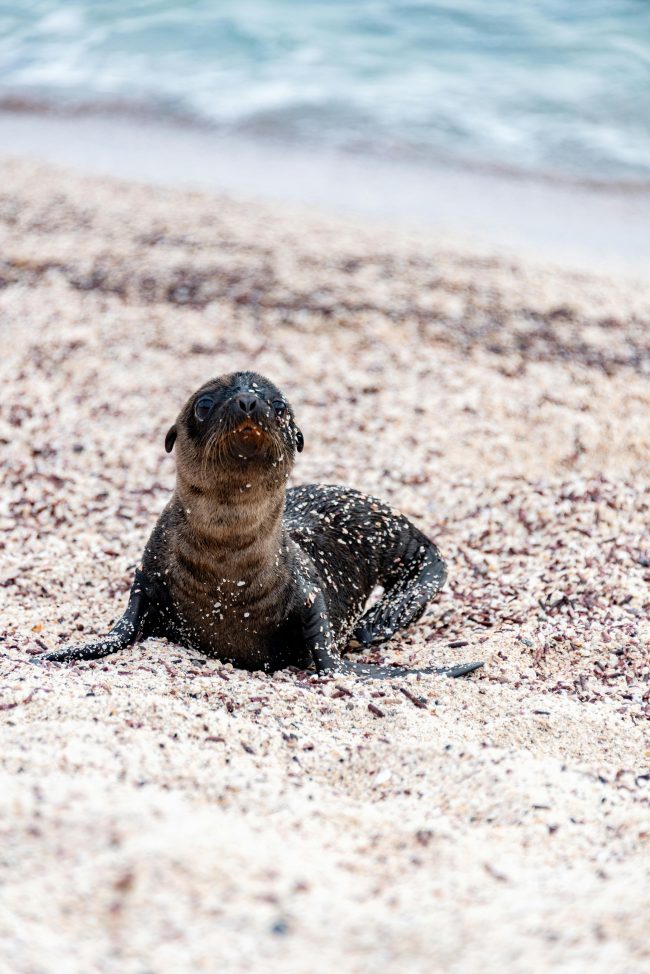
{"x": 422, "y": 575}
{"x": 124, "y": 633}
{"x": 399, "y": 607}
{"x": 392, "y": 613}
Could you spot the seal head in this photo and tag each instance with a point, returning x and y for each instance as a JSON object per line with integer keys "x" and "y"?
{"x": 235, "y": 426}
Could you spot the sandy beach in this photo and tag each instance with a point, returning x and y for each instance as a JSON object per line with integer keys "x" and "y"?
{"x": 162, "y": 813}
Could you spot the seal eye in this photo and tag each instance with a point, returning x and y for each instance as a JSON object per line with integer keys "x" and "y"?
{"x": 280, "y": 407}
{"x": 203, "y": 408}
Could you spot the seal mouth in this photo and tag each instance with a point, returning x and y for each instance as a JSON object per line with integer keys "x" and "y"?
{"x": 249, "y": 430}
{"x": 249, "y": 438}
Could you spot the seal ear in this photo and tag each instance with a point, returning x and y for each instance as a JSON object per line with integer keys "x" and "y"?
{"x": 170, "y": 439}
{"x": 300, "y": 441}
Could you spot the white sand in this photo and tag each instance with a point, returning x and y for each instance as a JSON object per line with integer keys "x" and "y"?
{"x": 161, "y": 814}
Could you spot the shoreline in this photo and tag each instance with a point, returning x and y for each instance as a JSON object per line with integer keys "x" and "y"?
{"x": 563, "y": 224}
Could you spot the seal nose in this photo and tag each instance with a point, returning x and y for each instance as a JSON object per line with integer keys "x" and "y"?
{"x": 247, "y": 402}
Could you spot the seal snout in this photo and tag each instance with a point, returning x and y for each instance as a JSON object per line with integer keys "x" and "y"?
{"x": 246, "y": 402}
{"x": 246, "y": 405}
{"x": 250, "y": 414}
{"x": 247, "y": 410}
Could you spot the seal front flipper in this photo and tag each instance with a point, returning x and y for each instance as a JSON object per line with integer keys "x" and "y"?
{"x": 317, "y": 635}
{"x": 370, "y": 671}
{"x": 124, "y": 633}
{"x": 317, "y": 631}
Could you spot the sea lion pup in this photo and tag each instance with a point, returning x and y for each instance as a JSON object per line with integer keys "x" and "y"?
{"x": 244, "y": 570}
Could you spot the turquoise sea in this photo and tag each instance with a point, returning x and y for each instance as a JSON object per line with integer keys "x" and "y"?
{"x": 559, "y": 87}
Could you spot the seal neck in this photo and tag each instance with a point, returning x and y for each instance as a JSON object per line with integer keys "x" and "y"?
{"x": 240, "y": 519}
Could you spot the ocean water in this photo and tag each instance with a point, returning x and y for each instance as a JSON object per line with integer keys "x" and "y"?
{"x": 559, "y": 87}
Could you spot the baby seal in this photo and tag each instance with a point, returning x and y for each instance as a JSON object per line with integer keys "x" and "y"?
{"x": 244, "y": 570}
